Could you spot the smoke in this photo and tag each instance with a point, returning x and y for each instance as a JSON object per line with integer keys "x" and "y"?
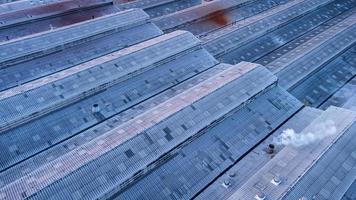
{"x": 321, "y": 130}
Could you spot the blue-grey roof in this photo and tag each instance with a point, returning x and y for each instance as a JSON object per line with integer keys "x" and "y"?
{"x": 46, "y": 9}
{"x": 240, "y": 172}
{"x": 92, "y": 46}
{"x": 294, "y": 163}
{"x": 345, "y": 97}
{"x": 328, "y": 80}
{"x": 195, "y": 104}
{"x": 221, "y": 43}
{"x": 157, "y": 8}
{"x": 186, "y": 17}
{"x": 65, "y": 87}
{"x": 288, "y": 37}
{"x": 272, "y": 45}
{"x": 332, "y": 175}
{"x": 30, "y": 21}
{"x": 138, "y": 95}
{"x": 351, "y": 192}
{"x": 195, "y": 163}
{"x": 48, "y": 42}
{"x": 39, "y": 18}
{"x": 318, "y": 83}
{"x": 106, "y": 106}
{"x": 184, "y": 60}
{"x": 23, "y": 4}
{"x": 298, "y": 64}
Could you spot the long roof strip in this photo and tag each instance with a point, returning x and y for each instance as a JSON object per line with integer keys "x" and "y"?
{"x": 49, "y": 173}
{"x": 292, "y": 162}
{"x": 41, "y": 43}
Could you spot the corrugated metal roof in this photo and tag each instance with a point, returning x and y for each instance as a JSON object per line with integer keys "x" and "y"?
{"x": 224, "y": 41}
{"x": 114, "y": 99}
{"x": 73, "y": 84}
{"x": 345, "y": 97}
{"x": 178, "y": 19}
{"x": 240, "y": 172}
{"x": 40, "y": 44}
{"x": 292, "y": 162}
{"x": 333, "y": 173}
{"x": 195, "y": 163}
{"x": 329, "y": 79}
{"x": 100, "y": 45}
{"x": 274, "y": 43}
{"x": 45, "y": 9}
{"x": 351, "y": 192}
{"x": 72, "y": 132}
{"x": 113, "y": 113}
{"x": 23, "y": 4}
{"x": 30, "y": 21}
{"x": 316, "y": 51}
{"x": 157, "y": 8}
{"x": 149, "y": 120}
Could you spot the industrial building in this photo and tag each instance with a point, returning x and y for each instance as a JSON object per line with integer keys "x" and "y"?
{"x": 178, "y": 99}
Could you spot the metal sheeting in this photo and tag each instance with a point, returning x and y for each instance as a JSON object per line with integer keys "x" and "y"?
{"x": 58, "y": 14}
{"x": 46, "y": 10}
{"x": 82, "y": 130}
{"x": 300, "y": 63}
{"x": 23, "y": 4}
{"x": 112, "y": 101}
{"x": 345, "y": 97}
{"x": 53, "y": 21}
{"x": 30, "y": 70}
{"x": 302, "y": 30}
{"x": 315, "y": 90}
{"x": 293, "y": 162}
{"x": 351, "y": 103}
{"x": 240, "y": 172}
{"x": 223, "y": 42}
{"x": 109, "y": 128}
{"x": 196, "y": 163}
{"x": 58, "y": 90}
{"x": 273, "y": 45}
{"x": 171, "y": 7}
{"x": 48, "y": 42}
{"x": 332, "y": 175}
{"x": 206, "y": 22}
{"x": 223, "y": 19}
{"x": 179, "y": 19}
{"x": 128, "y": 92}
{"x": 157, "y": 8}
{"x": 190, "y": 104}
{"x": 351, "y": 192}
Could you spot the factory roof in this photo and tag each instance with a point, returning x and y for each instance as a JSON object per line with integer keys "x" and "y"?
{"x": 293, "y": 163}
{"x": 40, "y": 44}
{"x": 146, "y": 122}
{"x": 240, "y": 172}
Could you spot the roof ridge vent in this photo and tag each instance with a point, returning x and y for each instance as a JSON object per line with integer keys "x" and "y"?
{"x": 276, "y": 180}
{"x": 260, "y": 196}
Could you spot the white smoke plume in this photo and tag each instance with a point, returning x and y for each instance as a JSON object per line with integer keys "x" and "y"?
{"x": 290, "y": 137}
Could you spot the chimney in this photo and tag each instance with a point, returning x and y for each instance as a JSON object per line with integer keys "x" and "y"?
{"x": 270, "y": 149}
{"x": 95, "y": 108}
